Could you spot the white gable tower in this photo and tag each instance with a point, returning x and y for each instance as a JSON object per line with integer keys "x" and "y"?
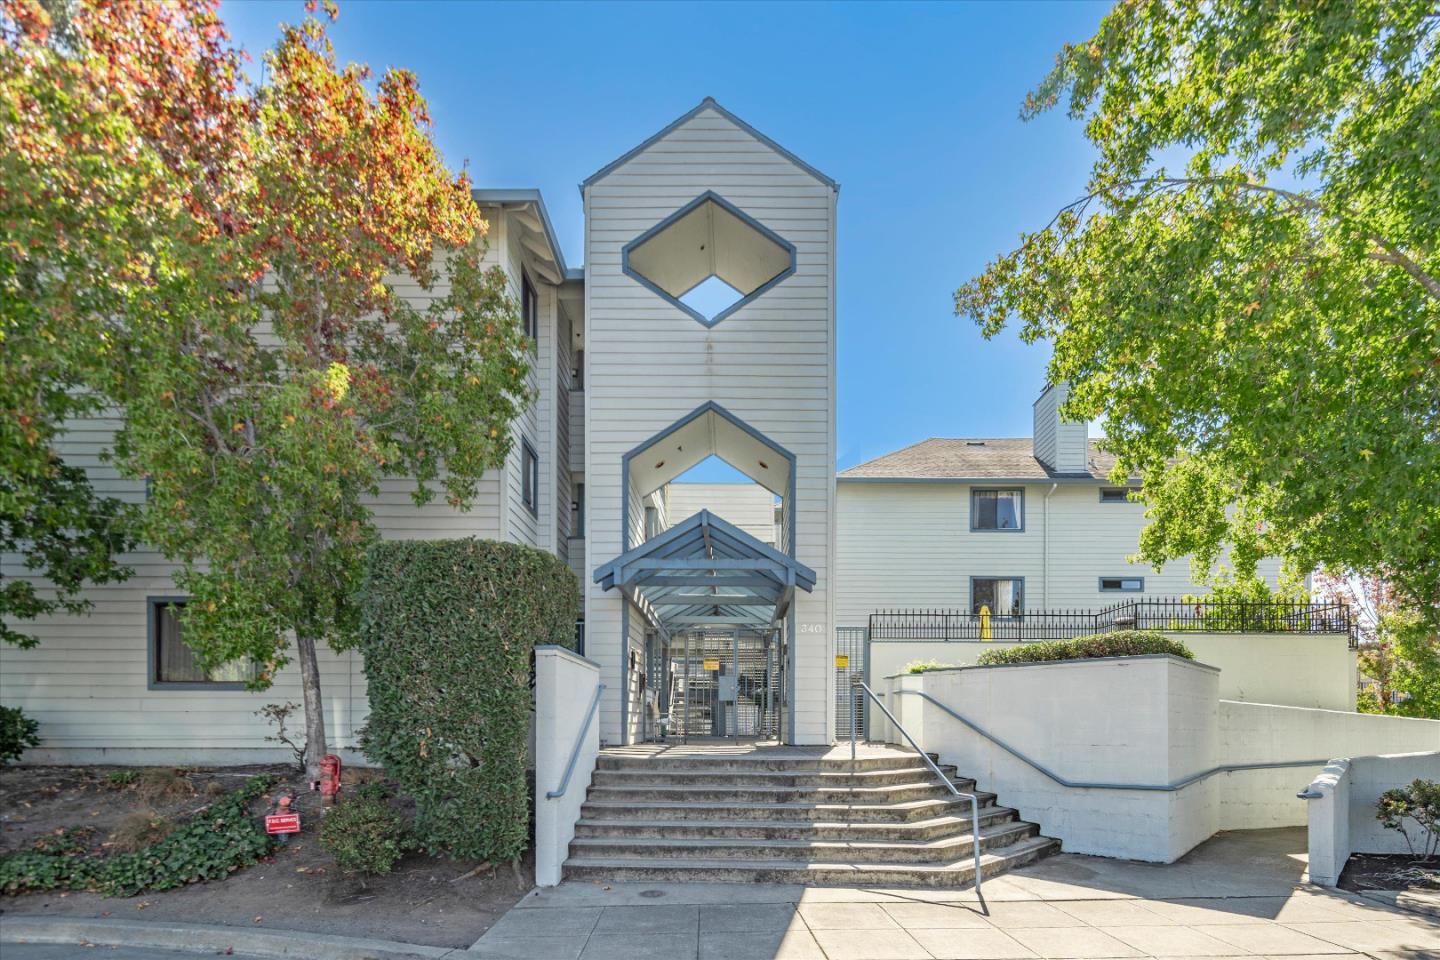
{"x": 710, "y": 330}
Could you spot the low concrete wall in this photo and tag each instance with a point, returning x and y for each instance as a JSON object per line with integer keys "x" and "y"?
{"x": 1342, "y": 809}
{"x": 565, "y": 687}
{"x": 1298, "y": 670}
{"x": 1152, "y": 721}
{"x": 1125, "y": 720}
{"x": 1264, "y": 733}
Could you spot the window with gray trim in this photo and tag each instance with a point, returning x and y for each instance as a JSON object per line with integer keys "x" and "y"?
{"x": 529, "y": 477}
{"x": 529, "y": 307}
{"x": 174, "y": 664}
{"x": 1116, "y": 494}
{"x": 998, "y": 596}
{"x": 1122, "y": 584}
{"x": 1002, "y": 510}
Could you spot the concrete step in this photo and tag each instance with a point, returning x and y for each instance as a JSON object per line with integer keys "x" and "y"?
{"x": 930, "y": 829}
{"x": 890, "y": 793}
{"x": 879, "y": 812}
{"x": 943, "y": 850}
{"x": 959, "y": 873}
{"x": 644, "y": 776}
{"x": 610, "y": 760}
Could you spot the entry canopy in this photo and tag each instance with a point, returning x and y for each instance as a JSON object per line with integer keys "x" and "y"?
{"x": 705, "y": 571}
{"x": 707, "y": 430}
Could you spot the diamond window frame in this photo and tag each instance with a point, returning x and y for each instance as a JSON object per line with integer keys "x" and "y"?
{"x": 708, "y": 196}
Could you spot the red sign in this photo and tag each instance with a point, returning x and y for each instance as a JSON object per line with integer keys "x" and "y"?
{"x": 282, "y": 823}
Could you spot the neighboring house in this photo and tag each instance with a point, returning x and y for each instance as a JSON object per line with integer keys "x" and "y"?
{"x": 1031, "y": 524}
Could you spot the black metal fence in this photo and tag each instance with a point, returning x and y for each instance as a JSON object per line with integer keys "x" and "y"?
{"x": 1168, "y": 615}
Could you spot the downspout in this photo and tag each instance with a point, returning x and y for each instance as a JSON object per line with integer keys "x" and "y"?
{"x": 1045, "y": 549}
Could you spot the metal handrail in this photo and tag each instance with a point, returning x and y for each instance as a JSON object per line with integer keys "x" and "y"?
{"x": 1084, "y": 785}
{"x": 974, "y": 800}
{"x": 579, "y": 739}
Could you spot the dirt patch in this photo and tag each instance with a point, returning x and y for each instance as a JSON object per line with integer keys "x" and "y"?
{"x": 299, "y": 888}
{"x": 1373, "y": 871}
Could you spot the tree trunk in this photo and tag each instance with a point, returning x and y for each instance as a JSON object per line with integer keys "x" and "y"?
{"x": 315, "y": 746}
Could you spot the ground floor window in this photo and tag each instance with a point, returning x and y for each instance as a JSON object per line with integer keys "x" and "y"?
{"x": 174, "y": 664}
{"x": 999, "y": 596}
{"x": 529, "y": 477}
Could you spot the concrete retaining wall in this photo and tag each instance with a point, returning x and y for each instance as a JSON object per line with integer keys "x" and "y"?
{"x": 1153, "y": 721}
{"x": 565, "y": 685}
{"x": 1342, "y": 809}
{"x": 1298, "y": 670}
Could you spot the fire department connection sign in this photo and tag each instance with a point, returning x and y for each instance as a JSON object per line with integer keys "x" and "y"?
{"x": 282, "y": 823}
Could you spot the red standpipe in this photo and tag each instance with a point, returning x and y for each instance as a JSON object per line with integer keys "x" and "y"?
{"x": 329, "y": 778}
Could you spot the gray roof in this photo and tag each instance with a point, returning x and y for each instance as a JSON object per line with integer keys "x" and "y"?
{"x": 973, "y": 458}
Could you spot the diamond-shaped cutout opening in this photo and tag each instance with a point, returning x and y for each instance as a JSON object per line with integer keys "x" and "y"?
{"x": 709, "y": 258}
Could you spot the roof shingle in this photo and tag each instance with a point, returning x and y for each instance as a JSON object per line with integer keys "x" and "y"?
{"x": 971, "y": 458}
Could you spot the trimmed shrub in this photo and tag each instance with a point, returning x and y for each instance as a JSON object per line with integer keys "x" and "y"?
{"x": 220, "y": 840}
{"x": 920, "y": 666}
{"x": 364, "y": 834}
{"x": 448, "y": 631}
{"x": 1118, "y": 643}
{"x": 18, "y": 733}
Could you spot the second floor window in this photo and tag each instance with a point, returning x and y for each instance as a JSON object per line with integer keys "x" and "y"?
{"x": 997, "y": 510}
{"x": 529, "y": 477}
{"x": 529, "y": 307}
{"x": 1001, "y": 596}
{"x": 652, "y": 522}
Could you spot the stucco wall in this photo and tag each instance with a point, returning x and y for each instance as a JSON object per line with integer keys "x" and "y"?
{"x": 1153, "y": 721}
{"x": 1260, "y": 732}
{"x": 1290, "y": 669}
{"x": 1134, "y": 720}
{"x": 564, "y": 691}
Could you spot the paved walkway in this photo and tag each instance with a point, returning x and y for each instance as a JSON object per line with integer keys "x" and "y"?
{"x": 1238, "y": 895}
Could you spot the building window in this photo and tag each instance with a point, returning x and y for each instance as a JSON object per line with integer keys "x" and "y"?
{"x": 1001, "y": 596}
{"x": 1116, "y": 494}
{"x": 1122, "y": 584}
{"x": 529, "y": 477}
{"x": 997, "y": 510}
{"x": 174, "y": 664}
{"x": 529, "y": 307}
{"x": 652, "y": 522}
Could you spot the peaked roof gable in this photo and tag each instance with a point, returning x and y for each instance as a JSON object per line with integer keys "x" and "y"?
{"x": 707, "y": 104}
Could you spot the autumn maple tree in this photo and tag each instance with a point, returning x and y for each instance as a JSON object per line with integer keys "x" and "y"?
{"x": 1249, "y": 291}
{"x": 298, "y": 311}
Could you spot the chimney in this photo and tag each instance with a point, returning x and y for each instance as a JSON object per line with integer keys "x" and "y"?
{"x": 1062, "y": 445}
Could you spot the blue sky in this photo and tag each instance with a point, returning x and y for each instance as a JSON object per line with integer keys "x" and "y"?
{"x": 914, "y": 109}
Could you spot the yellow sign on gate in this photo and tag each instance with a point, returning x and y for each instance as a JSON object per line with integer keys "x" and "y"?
{"x": 712, "y": 665}
{"x": 841, "y": 661}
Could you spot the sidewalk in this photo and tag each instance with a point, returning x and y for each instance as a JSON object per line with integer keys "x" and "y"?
{"x": 1238, "y": 895}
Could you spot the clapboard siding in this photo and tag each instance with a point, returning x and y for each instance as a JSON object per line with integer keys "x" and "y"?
{"x": 909, "y": 545}
{"x": 86, "y": 681}
{"x": 748, "y": 506}
{"x": 771, "y": 363}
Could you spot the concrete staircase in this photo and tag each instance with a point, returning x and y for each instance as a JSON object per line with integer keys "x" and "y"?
{"x": 788, "y": 815}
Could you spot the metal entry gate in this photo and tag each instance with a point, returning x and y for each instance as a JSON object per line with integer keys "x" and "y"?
{"x": 850, "y": 653}
{"x": 724, "y": 682}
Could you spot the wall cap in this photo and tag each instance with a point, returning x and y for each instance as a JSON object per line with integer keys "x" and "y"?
{"x": 1082, "y": 661}
{"x": 554, "y": 649}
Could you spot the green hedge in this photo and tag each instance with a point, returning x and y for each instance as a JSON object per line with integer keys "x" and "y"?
{"x": 1119, "y": 643}
{"x": 218, "y": 841}
{"x": 448, "y": 633}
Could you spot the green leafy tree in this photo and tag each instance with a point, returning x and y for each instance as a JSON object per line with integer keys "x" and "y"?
{"x": 310, "y": 316}
{"x": 1249, "y": 291}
